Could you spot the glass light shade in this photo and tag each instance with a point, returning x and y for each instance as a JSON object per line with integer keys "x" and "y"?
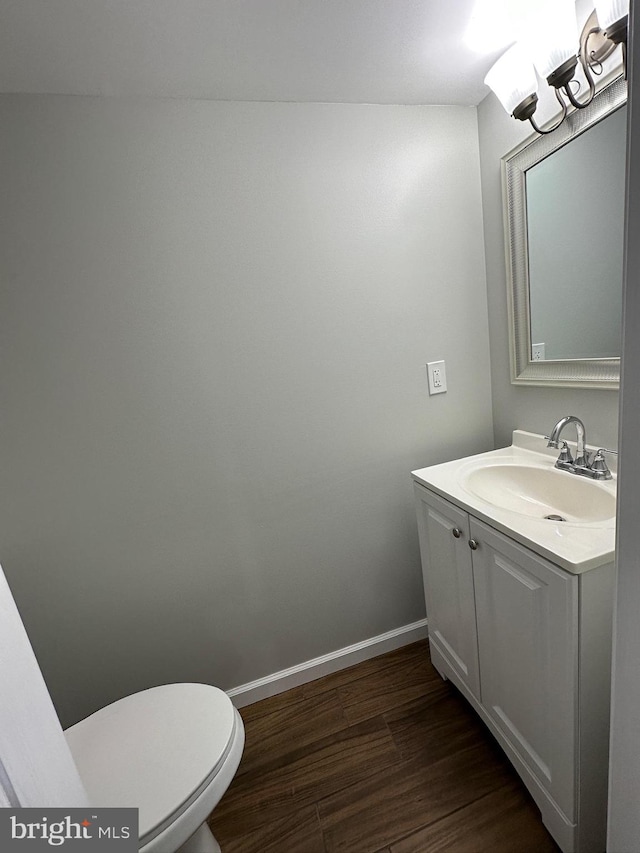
{"x": 553, "y": 36}
{"x": 512, "y": 78}
{"x": 610, "y": 11}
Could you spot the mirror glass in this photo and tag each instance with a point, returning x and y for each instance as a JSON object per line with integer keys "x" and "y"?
{"x": 564, "y": 221}
{"x": 575, "y": 224}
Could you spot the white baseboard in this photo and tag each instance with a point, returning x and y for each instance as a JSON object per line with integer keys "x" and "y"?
{"x": 278, "y": 682}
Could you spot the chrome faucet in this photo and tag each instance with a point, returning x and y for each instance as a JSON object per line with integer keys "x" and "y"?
{"x": 582, "y": 458}
{"x": 584, "y": 464}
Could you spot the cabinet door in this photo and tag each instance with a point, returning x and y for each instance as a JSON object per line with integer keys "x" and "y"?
{"x": 527, "y": 611}
{"x": 448, "y": 584}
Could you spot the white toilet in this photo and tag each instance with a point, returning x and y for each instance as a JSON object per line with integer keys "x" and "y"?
{"x": 170, "y": 751}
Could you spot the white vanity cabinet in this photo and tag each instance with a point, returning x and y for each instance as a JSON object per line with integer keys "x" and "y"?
{"x": 527, "y": 617}
{"x": 529, "y": 645}
{"x": 444, "y": 536}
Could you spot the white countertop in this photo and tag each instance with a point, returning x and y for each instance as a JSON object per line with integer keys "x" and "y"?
{"x": 576, "y": 547}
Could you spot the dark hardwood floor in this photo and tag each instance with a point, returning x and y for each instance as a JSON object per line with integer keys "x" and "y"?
{"x": 384, "y": 757}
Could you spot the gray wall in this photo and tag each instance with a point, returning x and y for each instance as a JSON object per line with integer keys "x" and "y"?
{"x": 215, "y": 319}
{"x": 534, "y": 409}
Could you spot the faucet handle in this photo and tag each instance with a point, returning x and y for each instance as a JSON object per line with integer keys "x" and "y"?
{"x": 565, "y": 453}
{"x": 599, "y": 465}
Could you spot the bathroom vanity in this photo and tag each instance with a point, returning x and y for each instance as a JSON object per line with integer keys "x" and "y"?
{"x": 519, "y": 608}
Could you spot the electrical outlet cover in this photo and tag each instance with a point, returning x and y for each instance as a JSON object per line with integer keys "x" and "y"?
{"x": 537, "y": 352}
{"x": 437, "y": 377}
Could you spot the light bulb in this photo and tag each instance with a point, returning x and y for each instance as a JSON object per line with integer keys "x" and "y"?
{"x": 513, "y": 78}
{"x": 609, "y": 12}
{"x": 553, "y": 37}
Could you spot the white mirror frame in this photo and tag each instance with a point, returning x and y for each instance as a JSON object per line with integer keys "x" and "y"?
{"x": 576, "y": 373}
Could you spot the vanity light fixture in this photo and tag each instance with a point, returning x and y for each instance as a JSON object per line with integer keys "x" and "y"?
{"x": 549, "y": 49}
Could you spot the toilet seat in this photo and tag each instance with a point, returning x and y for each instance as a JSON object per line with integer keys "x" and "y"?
{"x": 159, "y": 750}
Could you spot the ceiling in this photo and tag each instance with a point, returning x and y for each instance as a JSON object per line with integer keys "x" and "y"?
{"x": 352, "y": 51}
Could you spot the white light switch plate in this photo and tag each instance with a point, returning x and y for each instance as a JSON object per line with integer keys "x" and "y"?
{"x": 437, "y": 377}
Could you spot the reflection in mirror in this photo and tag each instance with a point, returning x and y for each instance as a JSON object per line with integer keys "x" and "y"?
{"x": 564, "y": 226}
{"x": 575, "y": 222}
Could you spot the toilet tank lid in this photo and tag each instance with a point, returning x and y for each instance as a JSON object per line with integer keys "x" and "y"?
{"x": 153, "y": 750}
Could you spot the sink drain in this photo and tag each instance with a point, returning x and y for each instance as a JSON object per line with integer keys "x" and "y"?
{"x": 555, "y": 518}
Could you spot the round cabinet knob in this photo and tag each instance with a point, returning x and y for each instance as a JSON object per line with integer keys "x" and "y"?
{"x": 473, "y": 544}
{"x": 457, "y": 532}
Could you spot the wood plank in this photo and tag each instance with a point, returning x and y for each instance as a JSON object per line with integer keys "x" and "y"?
{"x": 388, "y": 687}
{"x": 253, "y": 800}
{"x": 270, "y": 738}
{"x": 336, "y": 762}
{"x": 298, "y": 832}
{"x": 504, "y": 821}
{"x": 310, "y": 772}
{"x": 417, "y": 651}
{"x": 393, "y": 804}
{"x": 435, "y": 725}
{"x": 272, "y": 704}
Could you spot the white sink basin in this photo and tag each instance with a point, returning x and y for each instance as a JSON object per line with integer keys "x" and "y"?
{"x": 515, "y": 489}
{"x": 541, "y": 492}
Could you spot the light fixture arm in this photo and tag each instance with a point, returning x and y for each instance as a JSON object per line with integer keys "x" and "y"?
{"x": 513, "y": 76}
{"x": 558, "y": 123}
{"x": 586, "y": 67}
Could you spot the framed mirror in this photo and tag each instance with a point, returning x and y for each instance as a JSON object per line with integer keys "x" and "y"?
{"x": 564, "y": 226}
